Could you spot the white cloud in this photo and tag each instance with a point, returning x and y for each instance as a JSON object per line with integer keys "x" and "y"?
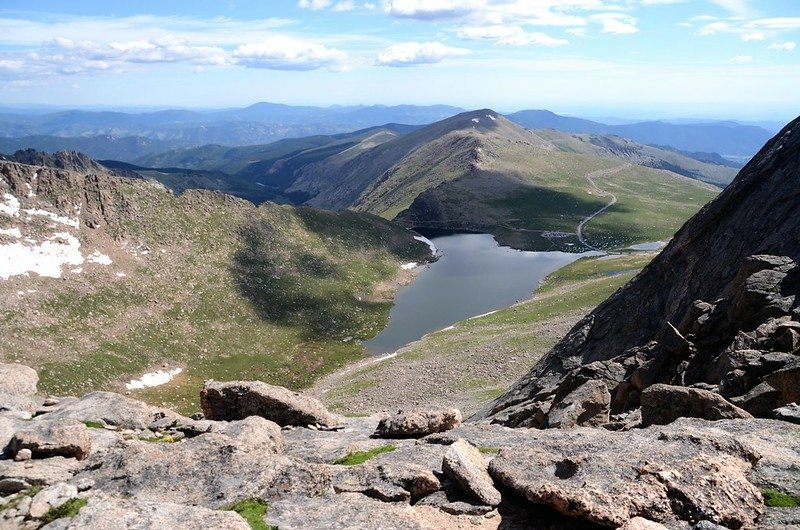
{"x": 741, "y": 59}
{"x": 346, "y": 5}
{"x": 313, "y": 4}
{"x": 616, "y": 23}
{"x": 369, "y": 6}
{"x": 776, "y": 23}
{"x": 280, "y": 52}
{"x": 756, "y": 35}
{"x": 713, "y": 28}
{"x": 783, "y": 46}
{"x": 578, "y": 32}
{"x": 431, "y": 9}
{"x": 737, "y": 7}
{"x": 414, "y": 53}
{"x": 661, "y": 2}
{"x": 510, "y": 36}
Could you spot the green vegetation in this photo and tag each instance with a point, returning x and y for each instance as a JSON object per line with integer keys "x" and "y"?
{"x": 359, "y": 457}
{"x": 68, "y": 509}
{"x": 593, "y": 269}
{"x": 253, "y": 511}
{"x": 166, "y": 439}
{"x": 489, "y": 450}
{"x": 94, "y": 424}
{"x": 779, "y": 499}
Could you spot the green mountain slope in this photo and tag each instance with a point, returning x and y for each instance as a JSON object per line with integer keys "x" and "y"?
{"x": 203, "y": 282}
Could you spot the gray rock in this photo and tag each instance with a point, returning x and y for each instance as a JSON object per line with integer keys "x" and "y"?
{"x": 23, "y": 455}
{"x": 18, "y": 380}
{"x": 418, "y": 423}
{"x": 210, "y": 470}
{"x": 253, "y": 431}
{"x": 112, "y": 409}
{"x": 662, "y": 404}
{"x": 53, "y": 438}
{"x": 51, "y": 497}
{"x": 589, "y": 405}
{"x": 640, "y": 523}
{"x": 103, "y": 513}
{"x": 465, "y": 466}
{"x": 708, "y": 525}
{"x": 346, "y": 511}
{"x": 42, "y": 472}
{"x": 454, "y": 506}
{"x": 387, "y": 482}
{"x": 787, "y": 382}
{"x": 239, "y": 399}
{"x": 760, "y": 401}
{"x": 13, "y": 485}
{"x": 780, "y": 519}
{"x": 790, "y": 413}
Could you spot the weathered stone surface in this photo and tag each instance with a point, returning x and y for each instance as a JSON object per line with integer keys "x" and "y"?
{"x": 640, "y": 523}
{"x": 453, "y": 505}
{"x": 346, "y": 511}
{"x": 42, "y": 472}
{"x": 662, "y": 404}
{"x": 387, "y": 482}
{"x": 51, "y": 497}
{"x": 465, "y": 465}
{"x": 787, "y": 382}
{"x": 790, "y": 413}
{"x": 112, "y": 409}
{"x": 17, "y": 380}
{"x": 12, "y": 485}
{"x": 253, "y": 431}
{"x": 760, "y": 401}
{"x": 418, "y": 423}
{"x": 53, "y": 438}
{"x": 209, "y": 470}
{"x": 104, "y": 513}
{"x": 587, "y": 405}
{"x": 239, "y": 399}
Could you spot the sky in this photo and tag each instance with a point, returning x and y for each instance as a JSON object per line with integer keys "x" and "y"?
{"x": 626, "y": 58}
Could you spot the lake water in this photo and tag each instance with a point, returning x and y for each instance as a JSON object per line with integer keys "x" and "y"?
{"x": 474, "y": 275}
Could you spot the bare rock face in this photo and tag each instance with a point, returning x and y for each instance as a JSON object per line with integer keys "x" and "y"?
{"x": 790, "y": 413}
{"x": 239, "y": 399}
{"x": 727, "y": 283}
{"x": 254, "y": 432}
{"x": 662, "y": 404}
{"x": 464, "y": 464}
{"x": 640, "y": 523}
{"x": 415, "y": 423}
{"x": 48, "y": 438}
{"x": 52, "y": 497}
{"x": 587, "y": 405}
{"x": 102, "y": 513}
{"x": 112, "y": 409}
{"x": 388, "y": 482}
{"x": 18, "y": 380}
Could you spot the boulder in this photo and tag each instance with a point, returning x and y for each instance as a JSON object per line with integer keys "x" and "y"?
{"x": 51, "y": 497}
{"x": 102, "y": 513}
{"x": 759, "y": 401}
{"x": 253, "y": 431}
{"x": 17, "y": 380}
{"x": 640, "y": 523}
{"x": 415, "y": 423}
{"x": 387, "y": 482}
{"x": 662, "y": 404}
{"x": 790, "y": 413}
{"x": 589, "y": 404}
{"x": 787, "y": 383}
{"x": 112, "y": 409}
{"x": 48, "y": 438}
{"x": 239, "y": 399}
{"x": 464, "y": 464}
{"x": 42, "y": 472}
{"x": 453, "y": 504}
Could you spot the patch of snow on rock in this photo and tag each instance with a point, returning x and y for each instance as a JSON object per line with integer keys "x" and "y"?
{"x": 121, "y": 275}
{"x": 427, "y": 242}
{"x": 153, "y": 379}
{"x": 491, "y": 117}
{"x": 97, "y": 257}
{"x": 45, "y": 258}
{"x": 10, "y": 205}
{"x": 77, "y": 270}
{"x": 75, "y": 223}
{"x": 13, "y": 232}
{"x": 408, "y": 266}
{"x": 476, "y": 120}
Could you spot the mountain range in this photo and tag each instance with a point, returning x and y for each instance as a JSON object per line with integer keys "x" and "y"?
{"x": 126, "y": 136}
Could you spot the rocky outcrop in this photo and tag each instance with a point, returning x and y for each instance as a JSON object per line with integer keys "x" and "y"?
{"x": 418, "y": 422}
{"x": 239, "y": 399}
{"x": 53, "y": 438}
{"x": 718, "y": 307}
{"x": 464, "y": 464}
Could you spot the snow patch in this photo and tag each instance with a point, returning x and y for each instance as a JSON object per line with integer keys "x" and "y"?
{"x": 75, "y": 223}
{"x": 491, "y": 117}
{"x": 30, "y": 190}
{"x": 408, "y": 266}
{"x": 13, "y": 232}
{"x": 100, "y": 259}
{"x": 121, "y": 275}
{"x": 476, "y": 120}
{"x": 483, "y": 315}
{"x": 427, "y": 242}
{"x": 448, "y": 328}
{"x": 45, "y": 258}
{"x": 77, "y": 270}
{"x": 153, "y": 379}
{"x": 10, "y": 205}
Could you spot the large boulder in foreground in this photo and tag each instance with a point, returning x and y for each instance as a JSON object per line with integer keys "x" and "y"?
{"x": 44, "y": 439}
{"x": 18, "y": 380}
{"x": 662, "y": 404}
{"x": 420, "y": 422}
{"x": 236, "y": 400}
{"x": 464, "y": 464}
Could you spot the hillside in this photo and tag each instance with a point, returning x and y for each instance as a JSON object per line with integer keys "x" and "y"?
{"x": 479, "y": 171}
{"x": 106, "y": 278}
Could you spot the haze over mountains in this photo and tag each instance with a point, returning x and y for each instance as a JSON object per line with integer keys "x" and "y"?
{"x": 127, "y": 136}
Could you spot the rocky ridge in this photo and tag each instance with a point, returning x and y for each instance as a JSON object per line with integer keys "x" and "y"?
{"x": 718, "y": 310}
{"x": 83, "y": 462}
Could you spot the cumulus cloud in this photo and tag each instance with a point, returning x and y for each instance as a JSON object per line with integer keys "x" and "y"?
{"x": 756, "y": 35}
{"x": 416, "y": 53}
{"x": 509, "y": 36}
{"x": 741, "y": 59}
{"x": 314, "y": 4}
{"x": 660, "y": 2}
{"x": 714, "y": 28}
{"x": 346, "y": 5}
{"x": 776, "y": 23}
{"x": 431, "y": 9}
{"x": 280, "y": 52}
{"x": 783, "y": 46}
{"x": 616, "y": 23}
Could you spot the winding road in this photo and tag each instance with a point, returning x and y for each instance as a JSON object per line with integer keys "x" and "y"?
{"x": 590, "y": 177}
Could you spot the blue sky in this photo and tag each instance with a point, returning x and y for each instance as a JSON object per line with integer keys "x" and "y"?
{"x": 628, "y": 58}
